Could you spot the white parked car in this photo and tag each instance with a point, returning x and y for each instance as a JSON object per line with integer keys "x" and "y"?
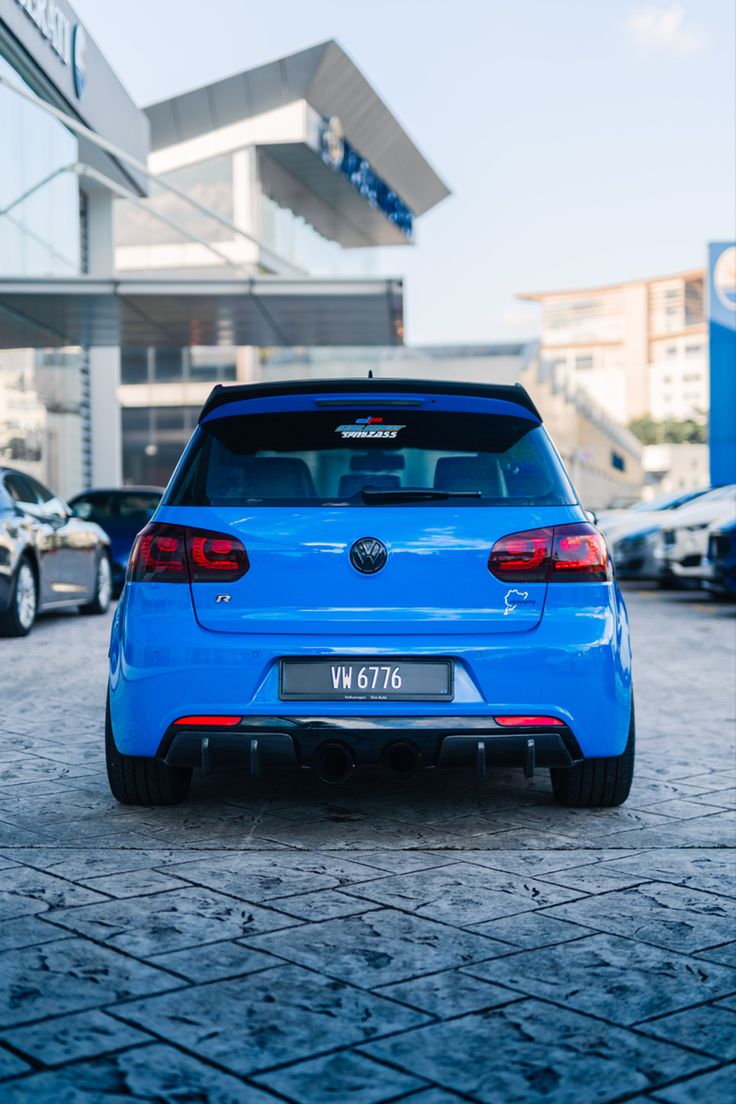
{"x": 684, "y": 544}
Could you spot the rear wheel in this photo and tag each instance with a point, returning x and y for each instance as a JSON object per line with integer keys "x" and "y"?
{"x": 135, "y": 780}
{"x": 596, "y": 783}
{"x": 18, "y": 618}
{"x": 103, "y": 588}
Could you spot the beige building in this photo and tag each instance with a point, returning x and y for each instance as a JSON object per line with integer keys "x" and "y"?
{"x": 637, "y": 348}
{"x": 604, "y": 458}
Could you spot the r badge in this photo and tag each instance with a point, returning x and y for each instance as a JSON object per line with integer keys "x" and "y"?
{"x": 222, "y": 598}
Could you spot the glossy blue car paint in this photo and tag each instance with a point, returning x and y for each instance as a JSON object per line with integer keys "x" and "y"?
{"x": 561, "y": 651}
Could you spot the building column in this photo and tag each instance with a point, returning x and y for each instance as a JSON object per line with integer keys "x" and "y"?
{"x": 104, "y": 363}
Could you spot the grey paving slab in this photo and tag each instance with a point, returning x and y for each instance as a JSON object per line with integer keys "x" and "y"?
{"x": 51, "y": 979}
{"x": 449, "y": 993}
{"x": 709, "y": 869}
{"x": 434, "y": 1096}
{"x": 214, "y": 961}
{"x": 716, "y": 1087}
{"x": 531, "y": 1052}
{"x": 70, "y": 1038}
{"x": 616, "y": 979}
{"x": 168, "y": 921}
{"x": 726, "y": 954}
{"x": 344, "y": 1078}
{"x": 270, "y": 1018}
{"x": 376, "y": 948}
{"x": 81, "y": 864}
{"x": 708, "y": 1027}
{"x": 327, "y": 904}
{"x": 262, "y": 878}
{"x": 462, "y": 893}
{"x": 154, "y": 1073}
{"x": 133, "y": 883}
{"x": 529, "y": 929}
{"x": 25, "y": 931}
{"x": 24, "y": 891}
{"x": 682, "y": 808}
{"x": 537, "y": 863}
{"x": 678, "y": 917}
{"x": 11, "y": 1065}
{"x": 402, "y": 862}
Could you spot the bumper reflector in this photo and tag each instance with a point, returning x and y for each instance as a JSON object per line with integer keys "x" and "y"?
{"x": 210, "y": 722}
{"x": 527, "y": 722}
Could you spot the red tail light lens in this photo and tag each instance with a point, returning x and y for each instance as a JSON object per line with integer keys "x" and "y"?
{"x": 177, "y": 554}
{"x": 522, "y": 557}
{"x": 159, "y": 555}
{"x": 579, "y": 552}
{"x": 214, "y": 558}
{"x": 571, "y": 553}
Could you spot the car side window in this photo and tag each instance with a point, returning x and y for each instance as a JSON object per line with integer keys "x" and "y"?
{"x": 20, "y": 488}
{"x": 43, "y": 494}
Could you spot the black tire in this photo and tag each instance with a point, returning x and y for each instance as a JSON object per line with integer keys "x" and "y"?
{"x": 18, "y": 618}
{"x": 597, "y": 783}
{"x": 103, "y": 584}
{"x": 135, "y": 780}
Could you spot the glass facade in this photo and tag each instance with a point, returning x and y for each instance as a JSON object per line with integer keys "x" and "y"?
{"x": 153, "y": 440}
{"x": 39, "y": 194}
{"x": 41, "y": 392}
{"x": 290, "y": 236}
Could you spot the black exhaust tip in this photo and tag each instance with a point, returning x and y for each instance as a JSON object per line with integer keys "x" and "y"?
{"x": 334, "y": 763}
{"x": 401, "y": 761}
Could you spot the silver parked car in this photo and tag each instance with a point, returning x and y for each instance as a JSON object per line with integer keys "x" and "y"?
{"x": 49, "y": 559}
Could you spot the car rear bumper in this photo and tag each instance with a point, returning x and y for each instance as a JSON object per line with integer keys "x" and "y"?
{"x": 461, "y": 741}
{"x": 574, "y": 666}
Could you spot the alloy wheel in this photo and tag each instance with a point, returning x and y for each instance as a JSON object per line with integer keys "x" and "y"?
{"x": 25, "y": 596}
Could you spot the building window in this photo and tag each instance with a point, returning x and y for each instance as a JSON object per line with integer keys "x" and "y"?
{"x": 617, "y": 461}
{"x": 583, "y": 363}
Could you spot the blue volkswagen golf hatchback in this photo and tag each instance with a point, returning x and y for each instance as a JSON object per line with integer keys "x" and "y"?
{"x": 381, "y": 572}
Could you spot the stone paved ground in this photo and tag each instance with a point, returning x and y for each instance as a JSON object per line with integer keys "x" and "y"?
{"x": 443, "y": 941}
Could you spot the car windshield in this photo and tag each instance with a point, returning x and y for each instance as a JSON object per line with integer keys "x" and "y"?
{"x": 341, "y": 457}
{"x": 136, "y": 507}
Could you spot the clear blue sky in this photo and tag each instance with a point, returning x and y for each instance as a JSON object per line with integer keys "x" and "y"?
{"x": 585, "y": 141}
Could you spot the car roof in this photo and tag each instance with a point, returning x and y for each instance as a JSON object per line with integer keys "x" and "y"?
{"x": 223, "y": 394}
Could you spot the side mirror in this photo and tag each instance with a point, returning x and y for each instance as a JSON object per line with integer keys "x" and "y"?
{"x": 592, "y": 517}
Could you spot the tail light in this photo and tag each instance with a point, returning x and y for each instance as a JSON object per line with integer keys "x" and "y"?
{"x": 178, "y": 554}
{"x": 571, "y": 553}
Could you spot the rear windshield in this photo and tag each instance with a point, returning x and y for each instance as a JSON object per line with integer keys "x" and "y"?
{"x": 137, "y": 507}
{"x": 314, "y": 458}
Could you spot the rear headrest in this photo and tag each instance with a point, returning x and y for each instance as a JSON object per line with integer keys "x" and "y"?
{"x": 468, "y": 473}
{"x": 261, "y": 477}
{"x": 355, "y": 481}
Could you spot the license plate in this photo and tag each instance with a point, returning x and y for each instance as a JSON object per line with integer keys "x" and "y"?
{"x": 374, "y": 679}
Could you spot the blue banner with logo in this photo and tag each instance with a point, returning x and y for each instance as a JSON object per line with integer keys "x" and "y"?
{"x": 722, "y": 341}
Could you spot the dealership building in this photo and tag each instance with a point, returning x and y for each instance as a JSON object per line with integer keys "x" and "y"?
{"x": 228, "y": 233}
{"x": 145, "y": 255}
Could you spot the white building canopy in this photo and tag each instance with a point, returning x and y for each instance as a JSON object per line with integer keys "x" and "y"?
{"x": 163, "y": 312}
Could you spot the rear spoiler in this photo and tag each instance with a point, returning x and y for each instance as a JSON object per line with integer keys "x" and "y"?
{"x": 223, "y": 394}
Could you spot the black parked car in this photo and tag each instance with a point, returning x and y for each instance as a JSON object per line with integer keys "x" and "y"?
{"x": 49, "y": 558}
{"x": 122, "y": 513}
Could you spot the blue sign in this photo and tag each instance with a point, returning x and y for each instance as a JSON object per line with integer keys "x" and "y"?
{"x": 340, "y": 156}
{"x": 722, "y": 342}
{"x": 79, "y": 60}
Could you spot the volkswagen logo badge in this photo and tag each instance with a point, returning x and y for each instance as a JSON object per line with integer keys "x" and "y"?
{"x": 368, "y": 555}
